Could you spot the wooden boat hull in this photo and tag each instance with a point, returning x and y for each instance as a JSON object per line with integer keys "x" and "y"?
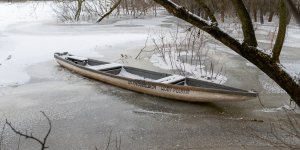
{"x": 170, "y": 91}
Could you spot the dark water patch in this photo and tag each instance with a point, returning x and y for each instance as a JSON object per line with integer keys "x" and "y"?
{"x": 72, "y": 24}
{"x": 166, "y": 25}
{"x": 131, "y": 25}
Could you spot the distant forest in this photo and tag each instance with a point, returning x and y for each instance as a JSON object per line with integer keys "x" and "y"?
{"x": 259, "y": 10}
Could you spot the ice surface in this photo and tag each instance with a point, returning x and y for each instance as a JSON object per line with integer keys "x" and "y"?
{"x": 30, "y": 34}
{"x": 292, "y": 37}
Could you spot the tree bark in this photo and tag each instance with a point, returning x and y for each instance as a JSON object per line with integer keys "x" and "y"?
{"x": 254, "y": 4}
{"x": 222, "y": 11}
{"x": 208, "y": 12}
{"x": 271, "y": 16}
{"x": 290, "y": 83}
{"x": 293, "y": 9}
{"x": 261, "y": 16}
{"x": 262, "y": 11}
{"x": 247, "y": 26}
{"x": 272, "y": 5}
{"x": 79, "y": 9}
{"x": 283, "y": 22}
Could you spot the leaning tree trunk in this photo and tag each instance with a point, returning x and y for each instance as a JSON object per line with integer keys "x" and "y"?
{"x": 290, "y": 83}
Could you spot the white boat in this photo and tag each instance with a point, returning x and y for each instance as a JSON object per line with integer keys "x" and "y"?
{"x": 153, "y": 83}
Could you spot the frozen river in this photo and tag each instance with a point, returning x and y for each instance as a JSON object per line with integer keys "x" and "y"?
{"x": 84, "y": 112}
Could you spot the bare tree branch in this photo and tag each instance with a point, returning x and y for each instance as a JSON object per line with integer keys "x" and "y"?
{"x": 247, "y": 26}
{"x": 50, "y": 127}
{"x": 19, "y": 141}
{"x": 195, "y": 20}
{"x": 289, "y": 82}
{"x": 1, "y": 136}
{"x": 108, "y": 142}
{"x": 142, "y": 48}
{"x": 283, "y": 22}
{"x": 79, "y": 9}
{"x": 110, "y": 11}
{"x": 27, "y": 136}
{"x": 293, "y": 10}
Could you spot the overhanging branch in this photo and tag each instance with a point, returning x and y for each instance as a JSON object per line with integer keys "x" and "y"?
{"x": 264, "y": 62}
{"x": 202, "y": 24}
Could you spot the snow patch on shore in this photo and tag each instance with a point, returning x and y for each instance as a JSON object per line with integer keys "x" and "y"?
{"x": 30, "y": 34}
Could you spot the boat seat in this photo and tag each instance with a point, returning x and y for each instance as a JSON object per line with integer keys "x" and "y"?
{"x": 77, "y": 58}
{"x": 105, "y": 66}
{"x": 171, "y": 79}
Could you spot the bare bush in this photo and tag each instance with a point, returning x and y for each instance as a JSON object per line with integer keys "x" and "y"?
{"x": 185, "y": 53}
{"x": 116, "y": 143}
{"x": 96, "y": 10}
{"x": 83, "y": 10}
{"x": 2, "y": 137}
{"x": 114, "y": 6}
{"x": 284, "y": 134}
{"x": 26, "y": 135}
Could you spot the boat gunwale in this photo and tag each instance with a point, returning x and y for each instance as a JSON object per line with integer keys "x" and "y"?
{"x": 193, "y": 88}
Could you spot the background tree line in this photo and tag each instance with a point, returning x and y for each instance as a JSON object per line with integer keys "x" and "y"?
{"x": 259, "y": 10}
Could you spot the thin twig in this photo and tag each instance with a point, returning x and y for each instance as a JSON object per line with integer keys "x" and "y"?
{"x": 108, "y": 142}
{"x": 19, "y": 141}
{"x": 142, "y": 50}
{"x": 1, "y": 136}
{"x": 27, "y": 136}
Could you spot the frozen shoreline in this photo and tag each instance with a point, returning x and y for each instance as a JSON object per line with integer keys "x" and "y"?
{"x": 32, "y": 37}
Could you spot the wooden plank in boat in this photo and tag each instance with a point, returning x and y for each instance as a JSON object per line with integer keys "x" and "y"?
{"x": 77, "y": 58}
{"x": 170, "y": 79}
{"x": 105, "y": 66}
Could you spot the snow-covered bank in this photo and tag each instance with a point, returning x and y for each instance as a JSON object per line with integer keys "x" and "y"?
{"x": 30, "y": 50}
{"x": 30, "y": 34}
{"x": 29, "y": 12}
